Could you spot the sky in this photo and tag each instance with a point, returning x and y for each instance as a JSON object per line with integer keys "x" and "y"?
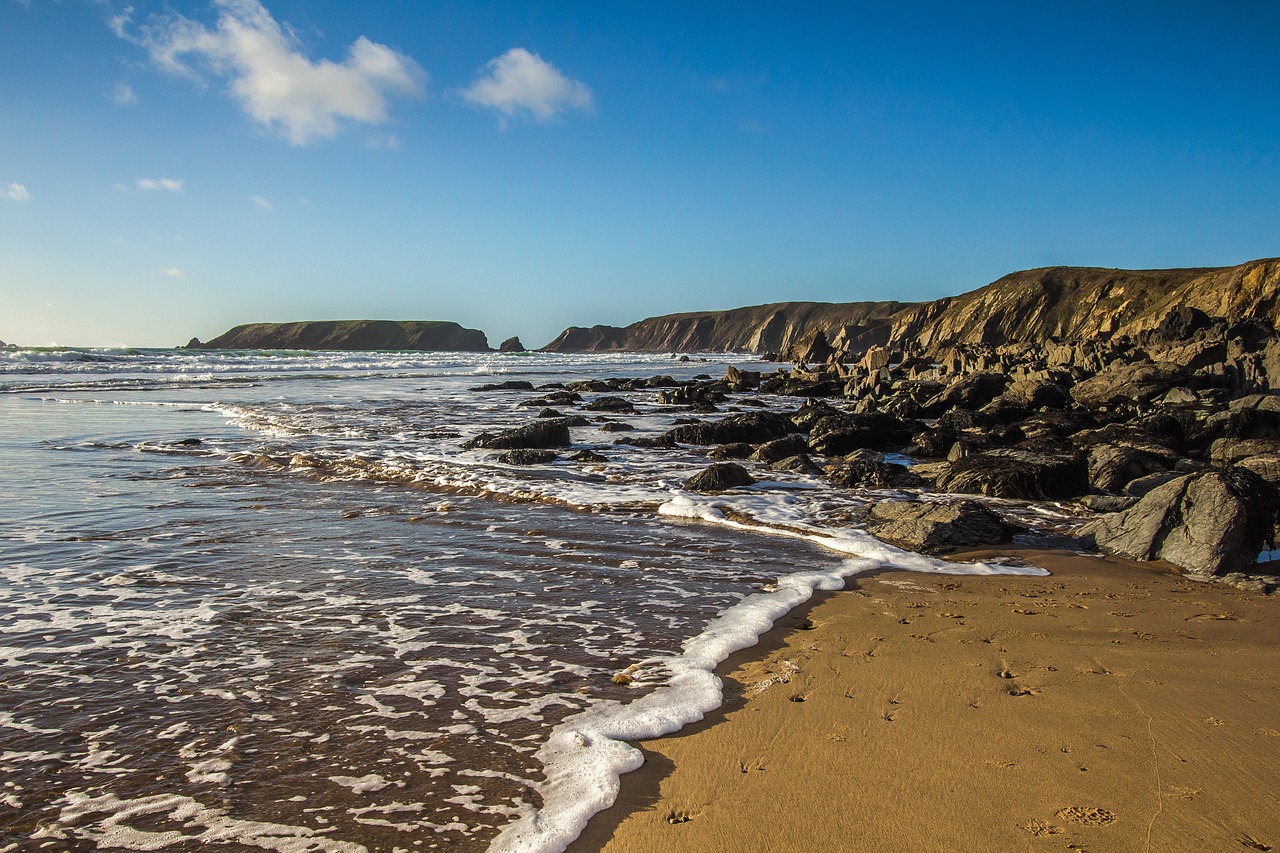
{"x": 170, "y": 170}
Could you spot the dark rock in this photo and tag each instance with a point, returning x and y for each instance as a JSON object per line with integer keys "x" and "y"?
{"x": 509, "y": 385}
{"x": 1229, "y": 451}
{"x": 933, "y": 443}
{"x": 361, "y": 335}
{"x": 528, "y": 457}
{"x": 512, "y": 345}
{"x": 588, "y": 456}
{"x": 545, "y": 433}
{"x": 1018, "y": 474}
{"x": 813, "y": 348}
{"x": 811, "y": 412}
{"x": 1266, "y": 466}
{"x": 1144, "y": 485}
{"x": 610, "y": 404}
{"x": 660, "y": 442}
{"x": 1036, "y": 394}
{"x": 550, "y": 413}
{"x": 780, "y": 448}
{"x": 555, "y": 398}
{"x": 736, "y": 450}
{"x": 965, "y": 419}
{"x": 1108, "y": 503}
{"x": 867, "y": 474}
{"x": 595, "y": 386}
{"x": 1207, "y": 524}
{"x": 1112, "y": 467}
{"x": 616, "y": 426}
{"x": 936, "y": 527}
{"x": 719, "y": 477}
{"x": 836, "y": 435}
{"x": 798, "y": 464}
{"x": 1127, "y": 385}
{"x": 741, "y": 380}
{"x": 969, "y": 392}
{"x": 751, "y": 427}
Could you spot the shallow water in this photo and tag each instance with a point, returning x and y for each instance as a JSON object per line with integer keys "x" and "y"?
{"x": 267, "y": 600}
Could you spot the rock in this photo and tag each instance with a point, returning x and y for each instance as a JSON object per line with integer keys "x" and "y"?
{"x": 969, "y": 392}
{"x": 1127, "y": 385}
{"x": 811, "y": 412}
{"x": 1207, "y": 524}
{"x": 813, "y": 348}
{"x": 1144, "y": 485}
{"x": 610, "y": 404}
{"x": 588, "y": 456}
{"x": 751, "y": 427}
{"x": 550, "y": 413}
{"x": 867, "y": 474}
{"x": 616, "y": 426}
{"x": 719, "y": 477}
{"x": 836, "y": 435}
{"x": 1112, "y": 467}
{"x": 1230, "y": 451}
{"x": 509, "y": 385}
{"x": 1018, "y": 474}
{"x": 741, "y": 380}
{"x": 933, "y": 527}
{"x": 528, "y": 457}
{"x": 1265, "y": 466}
{"x": 361, "y": 335}
{"x": 780, "y": 448}
{"x": 1036, "y": 394}
{"x": 555, "y": 398}
{"x": 512, "y": 345}
{"x": 1108, "y": 503}
{"x": 539, "y": 434}
{"x": 798, "y": 464}
{"x": 735, "y": 450}
{"x": 194, "y": 343}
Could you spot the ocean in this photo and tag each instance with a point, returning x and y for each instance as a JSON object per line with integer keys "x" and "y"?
{"x": 266, "y": 600}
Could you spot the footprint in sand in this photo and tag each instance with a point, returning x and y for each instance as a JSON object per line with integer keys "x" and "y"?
{"x": 1247, "y": 840}
{"x": 1041, "y": 828}
{"x": 1086, "y": 815}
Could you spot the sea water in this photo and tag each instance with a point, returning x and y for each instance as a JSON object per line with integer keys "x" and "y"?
{"x": 267, "y": 600}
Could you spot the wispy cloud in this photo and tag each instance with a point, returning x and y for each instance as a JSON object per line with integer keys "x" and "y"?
{"x": 171, "y": 272}
{"x": 16, "y": 192}
{"x": 523, "y": 83}
{"x": 122, "y": 95}
{"x": 167, "y": 184}
{"x": 260, "y": 202}
{"x": 270, "y": 75}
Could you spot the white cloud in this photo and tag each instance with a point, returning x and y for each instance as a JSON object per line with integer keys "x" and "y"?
{"x": 267, "y": 72}
{"x": 168, "y": 184}
{"x": 260, "y": 202}
{"x": 123, "y": 95}
{"x": 521, "y": 82}
{"x": 17, "y": 192}
{"x": 172, "y": 272}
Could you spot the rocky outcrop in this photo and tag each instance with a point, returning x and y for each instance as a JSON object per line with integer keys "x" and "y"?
{"x": 1211, "y": 523}
{"x": 360, "y": 335}
{"x": 934, "y": 527}
{"x": 540, "y": 434}
{"x": 512, "y": 345}
{"x": 760, "y": 329}
{"x": 719, "y": 477}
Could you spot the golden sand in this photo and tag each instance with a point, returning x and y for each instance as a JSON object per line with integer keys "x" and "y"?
{"x": 1113, "y": 706}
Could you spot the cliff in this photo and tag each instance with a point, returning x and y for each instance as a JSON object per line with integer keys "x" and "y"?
{"x": 428, "y": 335}
{"x": 761, "y": 328}
{"x": 1068, "y": 303}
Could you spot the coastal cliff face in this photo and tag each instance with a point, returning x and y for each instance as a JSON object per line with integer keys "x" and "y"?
{"x": 428, "y": 336}
{"x": 1075, "y": 304}
{"x": 761, "y": 328}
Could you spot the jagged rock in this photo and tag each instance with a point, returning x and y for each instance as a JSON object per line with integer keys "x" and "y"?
{"x": 661, "y": 442}
{"x": 811, "y": 412}
{"x": 539, "y": 434}
{"x": 933, "y": 527}
{"x": 1127, "y": 385}
{"x": 780, "y": 448}
{"x": 1207, "y": 524}
{"x": 720, "y": 477}
{"x": 836, "y": 435}
{"x": 813, "y": 348}
{"x": 1230, "y": 451}
{"x": 1144, "y": 485}
{"x": 741, "y": 380}
{"x": 798, "y": 464}
{"x": 509, "y": 385}
{"x": 550, "y": 413}
{"x": 868, "y": 474}
{"x": 588, "y": 456}
{"x": 555, "y": 398}
{"x": 1018, "y": 474}
{"x": 616, "y": 426}
{"x": 751, "y": 427}
{"x": 1108, "y": 503}
{"x": 969, "y": 392}
{"x": 695, "y": 394}
{"x": 512, "y": 345}
{"x": 734, "y": 450}
{"x": 1112, "y": 467}
{"x": 1036, "y": 394}
{"x": 528, "y": 457}
{"x": 1266, "y": 466}
{"x": 610, "y": 404}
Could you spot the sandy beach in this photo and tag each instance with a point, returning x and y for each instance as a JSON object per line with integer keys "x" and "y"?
{"x": 1110, "y": 706}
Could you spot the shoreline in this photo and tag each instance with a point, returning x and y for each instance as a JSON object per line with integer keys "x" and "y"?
{"x": 1112, "y": 705}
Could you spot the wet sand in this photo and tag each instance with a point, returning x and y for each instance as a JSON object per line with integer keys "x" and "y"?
{"x": 1111, "y": 706}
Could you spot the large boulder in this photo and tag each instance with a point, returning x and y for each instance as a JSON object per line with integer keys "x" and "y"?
{"x": 780, "y": 448}
{"x": 719, "y": 477}
{"x": 1018, "y": 474}
{"x": 1210, "y": 523}
{"x": 933, "y": 527}
{"x": 512, "y": 345}
{"x": 1127, "y": 385}
{"x": 872, "y": 474}
{"x": 751, "y": 427}
{"x": 836, "y": 435}
{"x": 553, "y": 432}
{"x": 969, "y": 392}
{"x": 1112, "y": 466}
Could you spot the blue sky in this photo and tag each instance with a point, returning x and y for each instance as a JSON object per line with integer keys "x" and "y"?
{"x": 169, "y": 170}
